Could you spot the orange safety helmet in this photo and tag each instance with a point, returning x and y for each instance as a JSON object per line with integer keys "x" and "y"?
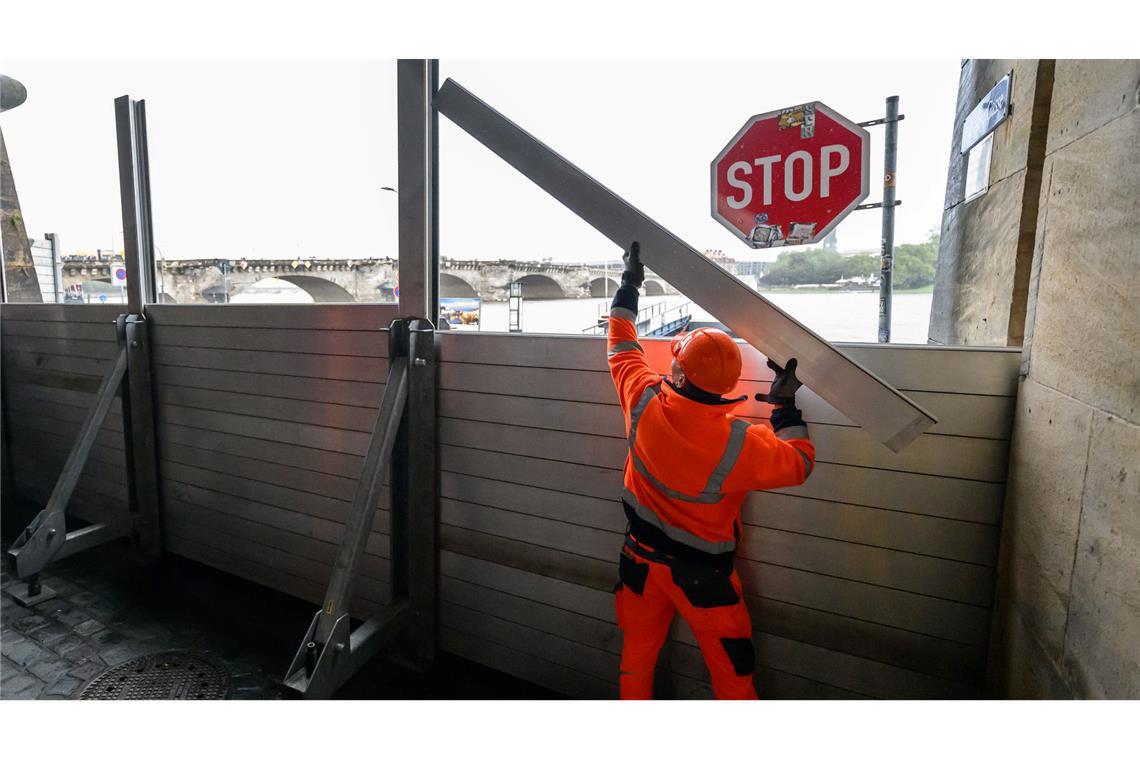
{"x": 709, "y": 358}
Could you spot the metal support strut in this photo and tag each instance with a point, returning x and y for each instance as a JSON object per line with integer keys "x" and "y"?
{"x": 403, "y": 444}
{"x": 46, "y": 538}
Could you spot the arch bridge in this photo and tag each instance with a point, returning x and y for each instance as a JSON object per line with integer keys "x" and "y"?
{"x": 367, "y": 280}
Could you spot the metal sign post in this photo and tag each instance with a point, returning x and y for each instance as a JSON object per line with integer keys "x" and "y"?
{"x": 890, "y": 154}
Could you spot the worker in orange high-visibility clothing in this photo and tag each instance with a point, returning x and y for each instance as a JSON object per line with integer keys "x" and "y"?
{"x": 690, "y": 465}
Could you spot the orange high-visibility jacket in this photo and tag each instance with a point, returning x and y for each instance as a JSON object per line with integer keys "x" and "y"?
{"x": 691, "y": 465}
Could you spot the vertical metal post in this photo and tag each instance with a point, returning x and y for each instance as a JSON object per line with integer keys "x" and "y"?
{"x": 134, "y": 193}
{"x": 417, "y": 123}
{"x": 420, "y": 522}
{"x": 139, "y": 428}
{"x": 398, "y": 473}
{"x": 890, "y": 154}
{"x": 56, "y": 267}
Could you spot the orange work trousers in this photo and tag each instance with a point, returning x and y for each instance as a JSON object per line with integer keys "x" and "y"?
{"x": 710, "y": 601}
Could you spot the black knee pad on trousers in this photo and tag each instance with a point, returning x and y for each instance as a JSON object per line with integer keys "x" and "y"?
{"x": 742, "y": 654}
{"x": 632, "y": 573}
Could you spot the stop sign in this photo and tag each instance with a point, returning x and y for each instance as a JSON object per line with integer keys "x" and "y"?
{"x": 788, "y": 177}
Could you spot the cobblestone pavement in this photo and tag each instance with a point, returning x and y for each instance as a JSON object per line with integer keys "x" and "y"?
{"x": 98, "y": 621}
{"x": 109, "y": 610}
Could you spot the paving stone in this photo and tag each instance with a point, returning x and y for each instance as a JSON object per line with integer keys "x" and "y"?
{"x": 51, "y": 634}
{"x": 16, "y": 686}
{"x": 50, "y": 669}
{"x": 118, "y": 655}
{"x": 25, "y": 652}
{"x": 87, "y": 670}
{"x": 66, "y": 686}
{"x": 89, "y": 627}
{"x": 75, "y": 649}
{"x": 11, "y": 637}
{"x": 30, "y": 623}
{"x": 71, "y": 617}
{"x": 107, "y": 638}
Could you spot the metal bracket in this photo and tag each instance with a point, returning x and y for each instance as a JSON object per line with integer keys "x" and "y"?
{"x": 331, "y": 652}
{"x": 877, "y": 122}
{"x": 866, "y": 206}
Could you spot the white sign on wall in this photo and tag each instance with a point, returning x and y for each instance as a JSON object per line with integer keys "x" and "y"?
{"x": 978, "y": 168}
{"x": 993, "y": 109}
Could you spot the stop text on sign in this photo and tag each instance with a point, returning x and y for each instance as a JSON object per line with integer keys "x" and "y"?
{"x": 833, "y": 161}
{"x": 788, "y": 177}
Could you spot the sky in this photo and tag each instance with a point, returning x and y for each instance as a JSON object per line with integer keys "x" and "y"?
{"x": 284, "y": 160}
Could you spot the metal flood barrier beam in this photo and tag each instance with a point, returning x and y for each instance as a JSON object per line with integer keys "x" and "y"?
{"x": 885, "y": 413}
{"x": 403, "y": 442}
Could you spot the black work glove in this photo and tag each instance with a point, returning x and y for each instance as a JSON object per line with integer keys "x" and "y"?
{"x": 634, "y": 273}
{"x": 784, "y": 385}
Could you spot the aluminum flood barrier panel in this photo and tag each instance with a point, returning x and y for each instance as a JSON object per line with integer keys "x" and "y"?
{"x": 890, "y": 417}
{"x": 873, "y": 579}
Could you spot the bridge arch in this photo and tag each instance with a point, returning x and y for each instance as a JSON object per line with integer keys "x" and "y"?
{"x": 451, "y": 286}
{"x": 317, "y": 288}
{"x": 600, "y": 287}
{"x": 539, "y": 287}
{"x": 654, "y": 288}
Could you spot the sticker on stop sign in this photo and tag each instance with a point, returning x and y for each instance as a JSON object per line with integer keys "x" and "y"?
{"x": 788, "y": 177}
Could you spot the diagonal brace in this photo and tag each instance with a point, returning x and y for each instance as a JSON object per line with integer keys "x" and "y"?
{"x": 46, "y": 536}
{"x": 330, "y": 652}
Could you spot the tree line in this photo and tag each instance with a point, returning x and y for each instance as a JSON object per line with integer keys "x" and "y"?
{"x": 913, "y": 266}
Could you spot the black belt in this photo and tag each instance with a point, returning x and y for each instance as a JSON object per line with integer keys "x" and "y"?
{"x": 650, "y": 543}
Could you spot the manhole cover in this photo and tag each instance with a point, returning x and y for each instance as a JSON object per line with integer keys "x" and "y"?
{"x": 166, "y": 675}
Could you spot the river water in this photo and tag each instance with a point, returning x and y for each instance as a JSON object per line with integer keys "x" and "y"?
{"x": 835, "y": 316}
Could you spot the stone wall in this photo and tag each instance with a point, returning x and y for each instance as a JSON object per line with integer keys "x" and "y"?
{"x": 987, "y": 243}
{"x": 1067, "y": 615}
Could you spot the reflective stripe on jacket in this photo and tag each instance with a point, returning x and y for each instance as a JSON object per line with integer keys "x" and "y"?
{"x": 691, "y": 465}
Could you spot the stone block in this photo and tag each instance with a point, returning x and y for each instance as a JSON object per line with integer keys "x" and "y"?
{"x": 1011, "y": 138}
{"x": 1102, "y": 645}
{"x": 71, "y": 617}
{"x": 20, "y": 686}
{"x": 87, "y": 670}
{"x": 1086, "y": 320}
{"x": 30, "y": 623}
{"x": 65, "y": 687}
{"x": 25, "y": 652}
{"x": 51, "y": 634}
{"x": 117, "y": 655}
{"x": 974, "y": 273}
{"x": 1087, "y": 94}
{"x": 49, "y": 669}
{"x": 89, "y": 627}
{"x": 1042, "y": 511}
{"x": 75, "y": 649}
